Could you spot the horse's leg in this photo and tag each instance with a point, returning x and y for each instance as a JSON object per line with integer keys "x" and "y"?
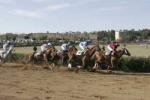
{"x": 69, "y": 63}
{"x": 95, "y": 67}
{"x": 78, "y": 68}
{"x": 110, "y": 66}
{"x": 47, "y": 64}
{"x": 27, "y": 60}
{"x": 70, "y": 60}
{"x": 62, "y": 60}
{"x": 45, "y": 61}
{"x": 83, "y": 62}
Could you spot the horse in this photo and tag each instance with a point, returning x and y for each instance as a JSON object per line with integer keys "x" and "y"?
{"x": 82, "y": 60}
{"x": 72, "y": 54}
{"x": 113, "y": 60}
{"x": 39, "y": 56}
{"x": 87, "y": 57}
{"x": 100, "y": 58}
{"x": 5, "y": 54}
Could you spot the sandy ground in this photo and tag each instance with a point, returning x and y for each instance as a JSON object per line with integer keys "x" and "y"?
{"x": 32, "y": 84}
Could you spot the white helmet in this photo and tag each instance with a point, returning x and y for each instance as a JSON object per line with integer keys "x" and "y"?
{"x": 49, "y": 44}
{"x": 8, "y": 42}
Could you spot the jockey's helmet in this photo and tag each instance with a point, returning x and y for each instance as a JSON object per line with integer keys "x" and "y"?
{"x": 49, "y": 44}
{"x": 88, "y": 42}
{"x": 116, "y": 42}
{"x": 8, "y": 41}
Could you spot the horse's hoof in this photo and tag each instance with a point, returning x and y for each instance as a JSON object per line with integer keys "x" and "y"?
{"x": 109, "y": 71}
{"x": 69, "y": 66}
{"x": 77, "y": 70}
{"x": 93, "y": 70}
{"x": 79, "y": 67}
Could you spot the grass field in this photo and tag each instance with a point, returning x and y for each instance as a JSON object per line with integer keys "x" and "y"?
{"x": 135, "y": 50}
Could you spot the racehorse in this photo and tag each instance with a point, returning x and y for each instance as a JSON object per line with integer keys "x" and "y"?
{"x": 50, "y": 54}
{"x": 72, "y": 53}
{"x": 84, "y": 59}
{"x": 113, "y": 60}
{"x": 100, "y": 58}
{"x": 39, "y": 56}
{"x": 5, "y": 54}
{"x": 87, "y": 57}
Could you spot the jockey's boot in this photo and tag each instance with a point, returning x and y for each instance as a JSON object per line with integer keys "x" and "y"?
{"x": 110, "y": 54}
{"x": 113, "y": 53}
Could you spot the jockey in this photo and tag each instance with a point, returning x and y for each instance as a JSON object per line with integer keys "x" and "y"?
{"x": 44, "y": 47}
{"x": 65, "y": 47}
{"x": 84, "y": 46}
{"x": 6, "y": 46}
{"x": 34, "y": 48}
{"x": 113, "y": 47}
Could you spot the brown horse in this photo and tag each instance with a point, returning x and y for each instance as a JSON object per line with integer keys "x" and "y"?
{"x": 87, "y": 57}
{"x": 50, "y": 54}
{"x": 100, "y": 59}
{"x": 44, "y": 57}
{"x": 82, "y": 60}
{"x": 110, "y": 61}
{"x": 113, "y": 60}
{"x": 72, "y": 53}
{"x": 72, "y": 57}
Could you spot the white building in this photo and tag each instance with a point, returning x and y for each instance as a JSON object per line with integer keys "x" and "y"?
{"x": 117, "y": 35}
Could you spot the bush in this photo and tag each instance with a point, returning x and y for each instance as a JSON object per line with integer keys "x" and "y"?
{"x": 135, "y": 64}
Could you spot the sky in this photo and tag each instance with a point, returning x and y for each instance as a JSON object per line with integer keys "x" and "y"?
{"x": 73, "y": 15}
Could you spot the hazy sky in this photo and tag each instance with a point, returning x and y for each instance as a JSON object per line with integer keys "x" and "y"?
{"x": 73, "y": 15}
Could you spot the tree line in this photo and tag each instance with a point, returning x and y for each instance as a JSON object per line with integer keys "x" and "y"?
{"x": 104, "y": 35}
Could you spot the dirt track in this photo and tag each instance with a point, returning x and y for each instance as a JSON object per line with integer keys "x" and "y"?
{"x": 19, "y": 84}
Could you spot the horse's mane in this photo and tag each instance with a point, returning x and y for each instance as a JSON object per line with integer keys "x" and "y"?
{"x": 91, "y": 50}
{"x": 72, "y": 47}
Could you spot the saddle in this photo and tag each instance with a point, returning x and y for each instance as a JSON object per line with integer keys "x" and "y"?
{"x": 111, "y": 53}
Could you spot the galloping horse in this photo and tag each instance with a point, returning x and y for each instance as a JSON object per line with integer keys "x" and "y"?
{"x": 113, "y": 60}
{"x": 87, "y": 57}
{"x": 72, "y": 53}
{"x": 5, "y": 54}
{"x": 38, "y": 56}
{"x": 110, "y": 61}
{"x": 82, "y": 60}
{"x": 50, "y": 54}
{"x": 100, "y": 59}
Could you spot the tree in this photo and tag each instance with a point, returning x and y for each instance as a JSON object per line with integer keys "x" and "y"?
{"x": 43, "y": 37}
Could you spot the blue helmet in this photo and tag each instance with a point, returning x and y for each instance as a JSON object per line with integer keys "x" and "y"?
{"x": 88, "y": 42}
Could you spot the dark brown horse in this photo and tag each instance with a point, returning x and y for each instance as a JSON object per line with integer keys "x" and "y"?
{"x": 82, "y": 60}
{"x": 110, "y": 61}
{"x": 113, "y": 60}
{"x": 87, "y": 57}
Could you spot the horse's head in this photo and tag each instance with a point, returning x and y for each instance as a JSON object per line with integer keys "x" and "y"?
{"x": 73, "y": 49}
{"x": 93, "y": 49}
{"x": 126, "y": 52}
{"x": 53, "y": 49}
